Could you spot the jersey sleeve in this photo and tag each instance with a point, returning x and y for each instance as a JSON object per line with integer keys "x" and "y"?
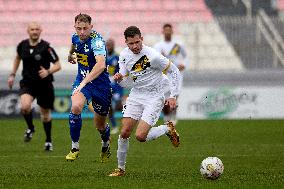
{"x": 98, "y": 46}
{"x": 161, "y": 61}
{"x": 73, "y": 38}
{"x": 122, "y": 66}
{"x": 53, "y": 57}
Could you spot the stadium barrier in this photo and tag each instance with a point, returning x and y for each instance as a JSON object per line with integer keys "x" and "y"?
{"x": 228, "y": 102}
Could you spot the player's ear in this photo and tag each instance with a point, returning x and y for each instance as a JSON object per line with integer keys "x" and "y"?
{"x": 141, "y": 38}
{"x": 91, "y": 26}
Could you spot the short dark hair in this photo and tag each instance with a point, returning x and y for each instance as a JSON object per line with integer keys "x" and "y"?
{"x": 83, "y": 18}
{"x": 167, "y": 25}
{"x": 131, "y": 31}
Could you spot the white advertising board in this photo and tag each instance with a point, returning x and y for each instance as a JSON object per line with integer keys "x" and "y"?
{"x": 247, "y": 102}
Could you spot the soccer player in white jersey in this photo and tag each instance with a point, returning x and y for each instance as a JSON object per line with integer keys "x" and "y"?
{"x": 174, "y": 51}
{"x": 141, "y": 68}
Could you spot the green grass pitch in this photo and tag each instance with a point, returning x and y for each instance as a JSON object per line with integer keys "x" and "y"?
{"x": 252, "y": 152}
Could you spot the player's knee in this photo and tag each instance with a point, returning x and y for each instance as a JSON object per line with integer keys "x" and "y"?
{"x": 45, "y": 117}
{"x": 141, "y": 137}
{"x": 125, "y": 133}
{"x": 25, "y": 109}
{"x": 76, "y": 109}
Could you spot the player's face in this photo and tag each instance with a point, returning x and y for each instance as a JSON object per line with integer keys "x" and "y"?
{"x": 110, "y": 45}
{"x": 168, "y": 32}
{"x": 83, "y": 29}
{"x": 134, "y": 43}
{"x": 34, "y": 31}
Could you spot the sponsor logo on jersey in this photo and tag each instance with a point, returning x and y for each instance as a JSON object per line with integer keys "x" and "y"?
{"x": 139, "y": 68}
{"x": 37, "y": 57}
{"x": 111, "y": 69}
{"x": 93, "y": 35}
{"x": 175, "y": 50}
{"x": 142, "y": 64}
{"x": 82, "y": 59}
{"x": 86, "y": 49}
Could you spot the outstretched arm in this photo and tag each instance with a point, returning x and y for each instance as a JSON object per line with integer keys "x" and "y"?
{"x": 122, "y": 76}
{"x": 12, "y": 75}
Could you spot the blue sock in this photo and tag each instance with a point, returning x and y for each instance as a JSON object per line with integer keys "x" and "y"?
{"x": 113, "y": 121}
{"x": 105, "y": 134}
{"x": 75, "y": 123}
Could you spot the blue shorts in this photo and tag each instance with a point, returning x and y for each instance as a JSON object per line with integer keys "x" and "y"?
{"x": 100, "y": 97}
{"x": 117, "y": 91}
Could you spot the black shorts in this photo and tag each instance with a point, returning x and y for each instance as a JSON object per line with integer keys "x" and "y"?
{"x": 42, "y": 92}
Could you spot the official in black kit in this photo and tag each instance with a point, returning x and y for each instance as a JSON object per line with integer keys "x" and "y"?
{"x": 37, "y": 56}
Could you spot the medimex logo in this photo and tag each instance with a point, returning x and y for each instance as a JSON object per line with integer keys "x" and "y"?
{"x": 220, "y": 102}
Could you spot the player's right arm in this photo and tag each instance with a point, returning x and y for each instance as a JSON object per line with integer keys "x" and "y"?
{"x": 71, "y": 55}
{"x": 12, "y": 75}
{"x": 122, "y": 76}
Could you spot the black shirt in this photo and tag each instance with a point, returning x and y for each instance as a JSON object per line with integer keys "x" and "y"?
{"x": 35, "y": 56}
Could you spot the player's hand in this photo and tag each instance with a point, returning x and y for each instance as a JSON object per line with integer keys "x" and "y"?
{"x": 78, "y": 89}
{"x": 10, "y": 81}
{"x": 117, "y": 77}
{"x": 43, "y": 73}
{"x": 181, "y": 67}
{"x": 72, "y": 58}
{"x": 172, "y": 103}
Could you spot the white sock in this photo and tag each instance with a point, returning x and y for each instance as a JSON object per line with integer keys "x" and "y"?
{"x": 173, "y": 116}
{"x": 75, "y": 145}
{"x": 105, "y": 144}
{"x": 156, "y": 132}
{"x": 167, "y": 118}
{"x": 123, "y": 145}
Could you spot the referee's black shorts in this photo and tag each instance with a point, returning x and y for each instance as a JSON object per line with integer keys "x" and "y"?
{"x": 43, "y": 92}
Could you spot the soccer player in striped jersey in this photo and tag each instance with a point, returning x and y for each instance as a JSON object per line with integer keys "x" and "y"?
{"x": 175, "y": 51}
{"x": 142, "y": 67}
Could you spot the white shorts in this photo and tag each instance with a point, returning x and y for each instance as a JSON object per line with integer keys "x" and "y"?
{"x": 145, "y": 107}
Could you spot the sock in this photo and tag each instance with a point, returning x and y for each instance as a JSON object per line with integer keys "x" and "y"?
{"x": 156, "y": 132}
{"x": 75, "y": 123}
{"x": 173, "y": 117}
{"x": 29, "y": 120}
{"x": 167, "y": 118}
{"x": 113, "y": 121}
{"x": 75, "y": 145}
{"x": 47, "y": 129}
{"x": 123, "y": 145}
{"x": 105, "y": 134}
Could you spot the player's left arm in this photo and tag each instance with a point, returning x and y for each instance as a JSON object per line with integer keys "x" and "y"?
{"x": 182, "y": 65}
{"x": 99, "y": 67}
{"x": 55, "y": 67}
{"x": 174, "y": 76}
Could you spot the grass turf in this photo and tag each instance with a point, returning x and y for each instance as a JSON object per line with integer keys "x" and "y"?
{"x": 252, "y": 152}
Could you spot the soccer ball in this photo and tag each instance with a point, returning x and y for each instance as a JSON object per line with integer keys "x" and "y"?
{"x": 211, "y": 168}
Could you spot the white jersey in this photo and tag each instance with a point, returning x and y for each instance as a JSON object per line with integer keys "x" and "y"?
{"x": 145, "y": 69}
{"x": 175, "y": 52}
{"x": 172, "y": 50}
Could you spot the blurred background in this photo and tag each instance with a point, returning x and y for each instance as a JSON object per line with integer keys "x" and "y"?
{"x": 235, "y": 48}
